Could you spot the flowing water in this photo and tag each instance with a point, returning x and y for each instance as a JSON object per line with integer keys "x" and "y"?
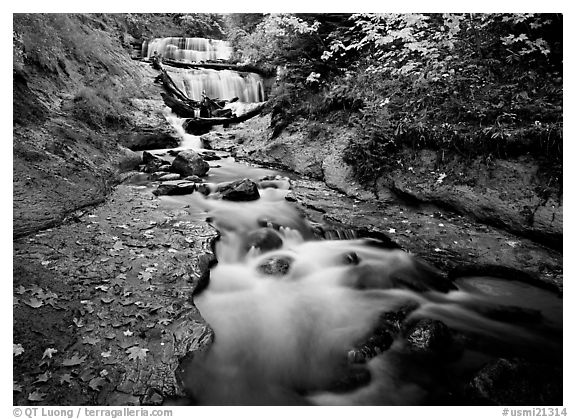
{"x": 301, "y": 320}
{"x": 219, "y": 84}
{"x": 190, "y": 50}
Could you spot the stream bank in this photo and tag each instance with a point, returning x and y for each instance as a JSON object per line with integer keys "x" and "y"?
{"x": 516, "y": 195}
{"x": 443, "y": 228}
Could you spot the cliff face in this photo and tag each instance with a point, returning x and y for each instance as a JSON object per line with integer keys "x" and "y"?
{"x": 513, "y": 194}
{"x": 77, "y": 94}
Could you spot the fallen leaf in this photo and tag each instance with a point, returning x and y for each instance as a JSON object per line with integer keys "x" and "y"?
{"x": 15, "y": 301}
{"x": 75, "y": 360}
{"x": 164, "y": 322}
{"x": 49, "y": 352}
{"x": 36, "y": 396}
{"x": 392, "y": 230}
{"x": 16, "y": 387}
{"x": 65, "y": 378}
{"x": 104, "y": 373}
{"x": 90, "y": 341}
{"x": 42, "y": 378}
{"x": 17, "y": 349}
{"x": 128, "y": 333}
{"x": 34, "y": 303}
{"x": 102, "y": 287}
{"x": 136, "y": 353}
{"x": 107, "y": 354}
{"x": 20, "y": 290}
{"x": 107, "y": 300}
{"x": 97, "y": 383}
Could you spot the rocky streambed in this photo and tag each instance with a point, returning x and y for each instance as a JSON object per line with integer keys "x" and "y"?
{"x": 103, "y": 307}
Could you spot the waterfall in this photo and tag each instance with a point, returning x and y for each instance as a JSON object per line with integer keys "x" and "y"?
{"x": 220, "y": 84}
{"x": 191, "y": 50}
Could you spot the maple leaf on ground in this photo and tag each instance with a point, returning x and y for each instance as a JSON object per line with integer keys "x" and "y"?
{"x": 36, "y": 396}
{"x": 136, "y": 353}
{"x": 49, "y": 352}
{"x": 89, "y": 340}
{"x": 65, "y": 378}
{"x": 42, "y": 378}
{"x": 97, "y": 383}
{"x": 128, "y": 333}
{"x": 17, "y": 349}
{"x": 75, "y": 360}
{"x": 34, "y": 303}
{"x": 20, "y": 290}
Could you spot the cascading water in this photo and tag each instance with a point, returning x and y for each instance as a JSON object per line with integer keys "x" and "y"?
{"x": 191, "y": 50}
{"x": 221, "y": 84}
{"x": 295, "y": 317}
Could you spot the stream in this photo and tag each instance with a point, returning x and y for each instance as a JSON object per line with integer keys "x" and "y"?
{"x": 299, "y": 319}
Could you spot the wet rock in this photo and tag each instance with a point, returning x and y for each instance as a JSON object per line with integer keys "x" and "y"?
{"x": 152, "y": 163}
{"x": 428, "y": 336}
{"x": 241, "y": 190}
{"x": 264, "y": 239}
{"x": 172, "y": 189}
{"x": 193, "y": 178}
{"x": 189, "y": 163}
{"x": 158, "y": 175}
{"x": 516, "y": 382}
{"x": 149, "y": 140}
{"x": 203, "y": 189}
{"x": 275, "y": 266}
{"x": 210, "y": 156}
{"x": 169, "y": 176}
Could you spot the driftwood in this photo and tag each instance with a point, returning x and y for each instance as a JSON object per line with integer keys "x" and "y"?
{"x": 175, "y": 91}
{"x": 202, "y": 125}
{"x": 182, "y": 109}
{"x": 220, "y": 66}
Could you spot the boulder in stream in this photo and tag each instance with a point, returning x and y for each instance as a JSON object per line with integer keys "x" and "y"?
{"x": 175, "y": 189}
{"x": 152, "y": 163}
{"x": 188, "y": 163}
{"x": 428, "y": 336}
{"x": 275, "y": 266}
{"x": 264, "y": 239}
{"x": 240, "y": 190}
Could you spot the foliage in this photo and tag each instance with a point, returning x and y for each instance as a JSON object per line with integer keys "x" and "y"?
{"x": 99, "y": 108}
{"x": 474, "y": 84}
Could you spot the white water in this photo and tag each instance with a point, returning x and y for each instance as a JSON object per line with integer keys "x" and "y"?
{"x": 188, "y": 49}
{"x": 188, "y": 141}
{"x": 284, "y": 339}
{"x": 219, "y": 84}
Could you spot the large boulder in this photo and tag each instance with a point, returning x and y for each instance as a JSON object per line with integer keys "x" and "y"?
{"x": 241, "y": 190}
{"x": 188, "y": 163}
{"x": 265, "y": 239}
{"x": 175, "y": 189}
{"x": 149, "y": 140}
{"x": 152, "y": 163}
